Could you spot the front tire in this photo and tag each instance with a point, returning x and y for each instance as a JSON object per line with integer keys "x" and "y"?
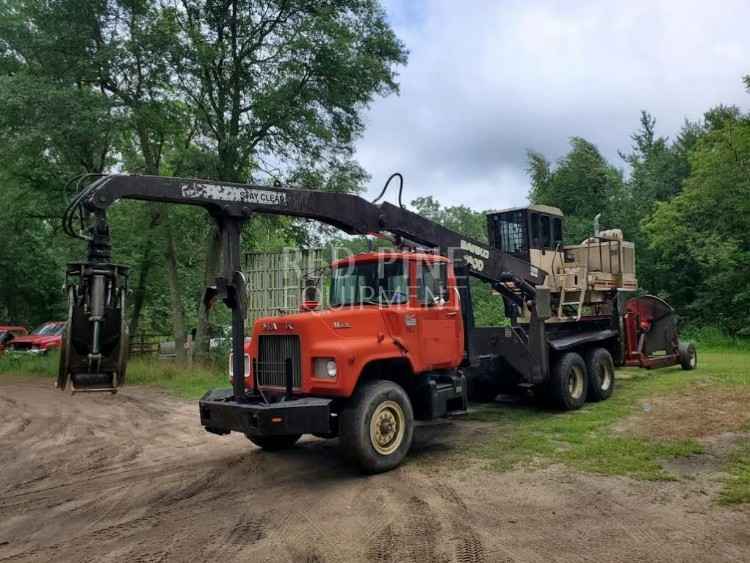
{"x": 274, "y": 443}
{"x": 568, "y": 382}
{"x": 601, "y": 374}
{"x": 377, "y": 426}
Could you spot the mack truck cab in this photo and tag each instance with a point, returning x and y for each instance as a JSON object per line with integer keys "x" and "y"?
{"x": 385, "y": 352}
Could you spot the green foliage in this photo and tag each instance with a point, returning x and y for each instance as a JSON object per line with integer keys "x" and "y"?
{"x": 705, "y": 230}
{"x": 714, "y": 337}
{"x": 582, "y": 184}
{"x": 25, "y": 364}
{"x": 241, "y": 90}
{"x": 658, "y": 169}
{"x": 164, "y": 374}
{"x": 280, "y": 80}
{"x": 737, "y": 486}
{"x": 488, "y": 307}
{"x": 178, "y": 380}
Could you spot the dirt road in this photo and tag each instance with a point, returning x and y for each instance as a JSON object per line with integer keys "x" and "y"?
{"x": 134, "y": 478}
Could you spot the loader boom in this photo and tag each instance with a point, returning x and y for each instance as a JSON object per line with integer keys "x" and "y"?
{"x": 350, "y": 213}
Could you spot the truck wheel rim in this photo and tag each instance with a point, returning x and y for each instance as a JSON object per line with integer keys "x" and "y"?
{"x": 387, "y": 427}
{"x": 605, "y": 377}
{"x": 693, "y": 357}
{"x": 575, "y": 382}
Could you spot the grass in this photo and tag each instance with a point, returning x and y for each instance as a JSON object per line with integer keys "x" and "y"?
{"x": 737, "y": 486}
{"x": 177, "y": 380}
{"x": 166, "y": 375}
{"x": 45, "y": 366}
{"x": 587, "y": 439}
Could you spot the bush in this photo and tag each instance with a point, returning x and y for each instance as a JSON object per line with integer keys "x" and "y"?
{"x": 713, "y": 337}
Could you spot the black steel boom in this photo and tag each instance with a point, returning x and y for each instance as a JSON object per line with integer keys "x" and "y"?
{"x": 350, "y": 213}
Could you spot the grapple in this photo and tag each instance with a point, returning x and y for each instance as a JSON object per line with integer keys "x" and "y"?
{"x": 94, "y": 350}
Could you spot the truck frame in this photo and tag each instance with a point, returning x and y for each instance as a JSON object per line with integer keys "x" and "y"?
{"x": 368, "y": 368}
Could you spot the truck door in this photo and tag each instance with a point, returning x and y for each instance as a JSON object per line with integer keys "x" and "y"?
{"x": 438, "y": 316}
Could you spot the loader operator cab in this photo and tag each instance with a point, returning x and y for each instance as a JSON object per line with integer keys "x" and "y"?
{"x": 521, "y": 230}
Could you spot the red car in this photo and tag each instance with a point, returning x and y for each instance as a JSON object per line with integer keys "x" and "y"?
{"x": 8, "y": 333}
{"x": 43, "y": 338}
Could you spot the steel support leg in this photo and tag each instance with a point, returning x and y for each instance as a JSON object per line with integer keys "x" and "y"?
{"x": 231, "y": 285}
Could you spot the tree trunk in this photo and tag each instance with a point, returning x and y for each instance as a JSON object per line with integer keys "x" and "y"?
{"x": 213, "y": 254}
{"x": 152, "y": 160}
{"x": 178, "y": 312}
{"x": 139, "y": 294}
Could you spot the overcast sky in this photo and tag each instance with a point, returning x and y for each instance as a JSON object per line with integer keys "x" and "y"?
{"x": 486, "y": 80}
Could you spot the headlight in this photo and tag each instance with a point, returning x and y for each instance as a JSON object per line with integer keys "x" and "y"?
{"x": 325, "y": 368}
{"x": 247, "y": 366}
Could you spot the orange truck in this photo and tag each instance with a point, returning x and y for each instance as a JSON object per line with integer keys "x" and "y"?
{"x": 365, "y": 351}
{"x": 397, "y": 345}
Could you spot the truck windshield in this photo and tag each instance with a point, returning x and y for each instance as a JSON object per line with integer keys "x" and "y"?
{"x": 374, "y": 283}
{"x": 48, "y": 330}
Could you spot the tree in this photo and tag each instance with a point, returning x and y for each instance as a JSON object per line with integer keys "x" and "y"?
{"x": 279, "y": 80}
{"x": 131, "y": 39}
{"x": 52, "y": 126}
{"x": 582, "y": 184}
{"x": 107, "y": 57}
{"x": 658, "y": 169}
{"x": 702, "y": 236}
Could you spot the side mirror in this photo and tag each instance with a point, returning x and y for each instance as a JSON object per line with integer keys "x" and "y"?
{"x": 310, "y": 298}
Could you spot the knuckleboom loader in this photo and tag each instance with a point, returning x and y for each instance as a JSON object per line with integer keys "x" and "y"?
{"x": 398, "y": 344}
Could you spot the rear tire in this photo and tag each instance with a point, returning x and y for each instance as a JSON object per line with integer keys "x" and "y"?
{"x": 274, "y": 443}
{"x": 601, "y": 374}
{"x": 568, "y": 382}
{"x": 377, "y": 426}
{"x": 688, "y": 355}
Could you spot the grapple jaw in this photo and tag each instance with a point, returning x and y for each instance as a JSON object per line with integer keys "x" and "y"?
{"x": 94, "y": 351}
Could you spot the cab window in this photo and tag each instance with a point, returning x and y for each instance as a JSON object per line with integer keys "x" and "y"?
{"x": 535, "y": 237}
{"x": 432, "y": 283}
{"x": 373, "y": 283}
{"x": 556, "y": 232}
{"x": 546, "y": 232}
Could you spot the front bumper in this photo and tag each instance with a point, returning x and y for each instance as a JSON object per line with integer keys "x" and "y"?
{"x": 221, "y": 414}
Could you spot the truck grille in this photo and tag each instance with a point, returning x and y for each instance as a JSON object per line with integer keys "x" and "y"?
{"x": 273, "y": 351}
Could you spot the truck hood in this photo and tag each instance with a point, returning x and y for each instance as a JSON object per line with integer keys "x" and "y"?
{"x": 344, "y": 322}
